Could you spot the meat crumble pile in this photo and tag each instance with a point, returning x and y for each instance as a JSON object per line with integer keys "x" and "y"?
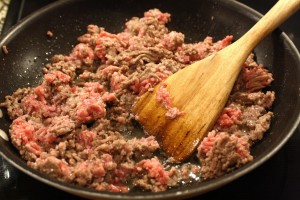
{"x": 77, "y": 125}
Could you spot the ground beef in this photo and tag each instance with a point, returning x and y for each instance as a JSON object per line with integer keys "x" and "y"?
{"x": 221, "y": 153}
{"x": 77, "y": 125}
{"x": 163, "y": 97}
{"x": 243, "y": 121}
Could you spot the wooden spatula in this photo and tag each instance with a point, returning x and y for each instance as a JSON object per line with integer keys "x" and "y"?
{"x": 201, "y": 90}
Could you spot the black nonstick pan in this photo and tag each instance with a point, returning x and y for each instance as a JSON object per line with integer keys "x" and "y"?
{"x": 29, "y": 49}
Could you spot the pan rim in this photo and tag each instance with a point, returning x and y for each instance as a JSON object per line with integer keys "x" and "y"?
{"x": 207, "y": 186}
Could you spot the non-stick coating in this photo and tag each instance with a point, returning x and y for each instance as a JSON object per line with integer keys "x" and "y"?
{"x": 30, "y": 49}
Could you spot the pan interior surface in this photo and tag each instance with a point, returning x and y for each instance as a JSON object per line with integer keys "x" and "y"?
{"x": 30, "y": 49}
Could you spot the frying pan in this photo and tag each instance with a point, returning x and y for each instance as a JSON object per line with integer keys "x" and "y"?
{"x": 29, "y": 49}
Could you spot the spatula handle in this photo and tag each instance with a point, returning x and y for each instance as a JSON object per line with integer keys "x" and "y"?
{"x": 282, "y": 10}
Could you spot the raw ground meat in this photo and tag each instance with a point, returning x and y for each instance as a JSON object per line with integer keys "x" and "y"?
{"x": 77, "y": 125}
{"x": 163, "y": 97}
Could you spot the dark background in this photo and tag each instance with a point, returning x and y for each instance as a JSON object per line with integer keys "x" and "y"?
{"x": 278, "y": 178}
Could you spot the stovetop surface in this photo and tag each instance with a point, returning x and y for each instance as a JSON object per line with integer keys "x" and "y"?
{"x": 278, "y": 178}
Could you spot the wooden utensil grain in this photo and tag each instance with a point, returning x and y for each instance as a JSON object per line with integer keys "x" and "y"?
{"x": 201, "y": 90}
